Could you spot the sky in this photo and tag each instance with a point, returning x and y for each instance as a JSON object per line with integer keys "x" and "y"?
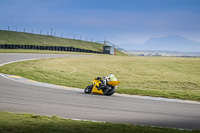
{"x": 117, "y": 21}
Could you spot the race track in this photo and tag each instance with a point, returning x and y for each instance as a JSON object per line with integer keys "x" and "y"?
{"x": 27, "y": 98}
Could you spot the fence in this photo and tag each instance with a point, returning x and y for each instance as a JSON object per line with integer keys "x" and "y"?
{"x": 53, "y": 48}
{"x": 51, "y": 32}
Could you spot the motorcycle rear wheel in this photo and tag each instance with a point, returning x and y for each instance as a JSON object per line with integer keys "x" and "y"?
{"x": 110, "y": 92}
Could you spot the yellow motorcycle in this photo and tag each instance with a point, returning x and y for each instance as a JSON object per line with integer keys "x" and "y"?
{"x": 101, "y": 86}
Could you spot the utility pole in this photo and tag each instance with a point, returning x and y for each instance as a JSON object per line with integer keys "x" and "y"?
{"x": 51, "y": 31}
{"x": 105, "y": 41}
{"x": 8, "y": 28}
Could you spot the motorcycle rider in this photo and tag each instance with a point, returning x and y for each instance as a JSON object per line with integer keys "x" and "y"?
{"x": 110, "y": 77}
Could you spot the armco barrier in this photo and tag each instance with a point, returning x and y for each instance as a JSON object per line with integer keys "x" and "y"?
{"x": 53, "y": 48}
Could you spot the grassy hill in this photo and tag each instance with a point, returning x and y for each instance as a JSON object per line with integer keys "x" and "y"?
{"x": 12, "y": 37}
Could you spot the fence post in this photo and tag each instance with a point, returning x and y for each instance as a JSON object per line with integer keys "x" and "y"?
{"x": 51, "y": 32}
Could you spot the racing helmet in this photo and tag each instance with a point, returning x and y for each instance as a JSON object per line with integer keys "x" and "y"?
{"x": 111, "y": 76}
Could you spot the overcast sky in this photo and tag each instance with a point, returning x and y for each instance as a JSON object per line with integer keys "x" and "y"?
{"x": 120, "y": 21}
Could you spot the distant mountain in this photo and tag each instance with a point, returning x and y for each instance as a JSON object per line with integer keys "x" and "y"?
{"x": 169, "y": 43}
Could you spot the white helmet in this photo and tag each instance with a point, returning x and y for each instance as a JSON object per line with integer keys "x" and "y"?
{"x": 111, "y": 76}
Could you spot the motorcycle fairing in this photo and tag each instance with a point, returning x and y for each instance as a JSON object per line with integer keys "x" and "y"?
{"x": 95, "y": 86}
{"x": 114, "y": 83}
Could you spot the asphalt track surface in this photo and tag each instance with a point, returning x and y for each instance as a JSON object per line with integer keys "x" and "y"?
{"x": 27, "y": 98}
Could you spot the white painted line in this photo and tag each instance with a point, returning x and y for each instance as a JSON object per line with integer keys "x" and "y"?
{"x": 18, "y": 61}
{"x": 158, "y": 99}
{"x": 27, "y": 81}
{"x": 84, "y": 120}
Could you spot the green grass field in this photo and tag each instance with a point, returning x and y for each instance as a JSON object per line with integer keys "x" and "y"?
{"x": 11, "y": 37}
{"x": 28, "y": 123}
{"x": 168, "y": 77}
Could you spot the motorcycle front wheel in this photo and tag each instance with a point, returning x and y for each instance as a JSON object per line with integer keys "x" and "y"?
{"x": 88, "y": 89}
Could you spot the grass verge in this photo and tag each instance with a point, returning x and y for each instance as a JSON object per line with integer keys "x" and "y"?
{"x": 168, "y": 77}
{"x": 28, "y": 123}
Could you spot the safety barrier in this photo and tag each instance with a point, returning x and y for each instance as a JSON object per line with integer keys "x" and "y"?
{"x": 53, "y": 48}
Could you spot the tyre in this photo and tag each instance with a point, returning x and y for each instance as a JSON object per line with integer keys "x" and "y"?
{"x": 110, "y": 92}
{"x": 88, "y": 89}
